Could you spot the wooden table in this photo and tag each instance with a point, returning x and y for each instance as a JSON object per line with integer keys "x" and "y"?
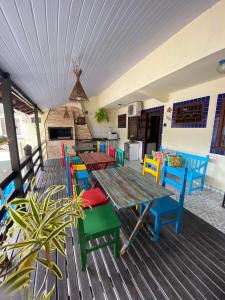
{"x": 97, "y": 159}
{"x": 84, "y": 148}
{"x": 126, "y": 188}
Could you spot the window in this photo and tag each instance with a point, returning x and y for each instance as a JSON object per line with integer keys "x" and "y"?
{"x": 191, "y": 113}
{"x": 3, "y": 127}
{"x": 122, "y": 121}
{"x": 218, "y": 137}
{"x": 18, "y": 127}
{"x": 221, "y": 129}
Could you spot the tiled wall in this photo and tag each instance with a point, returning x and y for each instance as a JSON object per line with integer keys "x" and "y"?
{"x": 194, "y": 125}
{"x": 213, "y": 149}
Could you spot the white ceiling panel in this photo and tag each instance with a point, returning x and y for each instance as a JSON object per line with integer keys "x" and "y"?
{"x": 39, "y": 39}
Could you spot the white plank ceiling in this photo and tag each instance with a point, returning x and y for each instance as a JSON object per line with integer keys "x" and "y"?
{"x": 39, "y": 39}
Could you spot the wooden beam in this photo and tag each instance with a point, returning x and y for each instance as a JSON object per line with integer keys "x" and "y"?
{"x": 11, "y": 132}
{"x": 38, "y": 136}
{"x": 26, "y": 97}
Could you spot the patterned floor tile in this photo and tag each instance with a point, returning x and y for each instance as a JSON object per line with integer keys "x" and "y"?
{"x": 206, "y": 204}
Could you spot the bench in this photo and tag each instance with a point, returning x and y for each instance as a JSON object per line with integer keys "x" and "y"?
{"x": 196, "y": 166}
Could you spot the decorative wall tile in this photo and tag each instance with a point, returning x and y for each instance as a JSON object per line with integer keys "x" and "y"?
{"x": 203, "y": 123}
{"x": 213, "y": 149}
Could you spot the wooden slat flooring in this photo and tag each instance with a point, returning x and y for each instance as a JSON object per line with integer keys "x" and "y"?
{"x": 186, "y": 266}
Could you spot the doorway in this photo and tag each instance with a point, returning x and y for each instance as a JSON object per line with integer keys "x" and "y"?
{"x": 150, "y": 129}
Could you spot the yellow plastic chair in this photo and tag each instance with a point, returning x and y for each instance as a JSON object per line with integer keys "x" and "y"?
{"x": 79, "y": 167}
{"x": 98, "y": 146}
{"x": 147, "y": 168}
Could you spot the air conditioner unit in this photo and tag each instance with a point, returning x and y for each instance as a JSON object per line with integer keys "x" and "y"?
{"x": 134, "y": 109}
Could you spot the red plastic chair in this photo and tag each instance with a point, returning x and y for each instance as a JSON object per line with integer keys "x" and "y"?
{"x": 63, "y": 160}
{"x": 93, "y": 197}
{"x": 112, "y": 151}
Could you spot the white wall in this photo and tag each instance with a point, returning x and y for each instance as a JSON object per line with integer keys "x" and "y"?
{"x": 98, "y": 130}
{"x": 192, "y": 140}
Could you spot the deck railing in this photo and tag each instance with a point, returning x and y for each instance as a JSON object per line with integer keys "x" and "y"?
{"x": 29, "y": 167}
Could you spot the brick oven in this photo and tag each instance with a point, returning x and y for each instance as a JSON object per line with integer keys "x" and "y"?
{"x": 60, "y": 130}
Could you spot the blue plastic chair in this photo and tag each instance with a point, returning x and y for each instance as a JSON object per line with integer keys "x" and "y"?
{"x": 68, "y": 179}
{"x": 102, "y": 147}
{"x": 82, "y": 179}
{"x": 168, "y": 206}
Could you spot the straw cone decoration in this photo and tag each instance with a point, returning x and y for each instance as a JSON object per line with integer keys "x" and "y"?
{"x": 78, "y": 94}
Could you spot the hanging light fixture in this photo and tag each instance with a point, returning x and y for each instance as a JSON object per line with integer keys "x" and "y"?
{"x": 66, "y": 114}
{"x": 221, "y": 66}
{"x": 78, "y": 94}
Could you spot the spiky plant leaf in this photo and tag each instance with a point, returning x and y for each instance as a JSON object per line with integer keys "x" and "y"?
{"x": 19, "y": 274}
{"x": 20, "y": 244}
{"x": 18, "y": 219}
{"x": 17, "y": 285}
{"x": 58, "y": 246}
{"x": 47, "y": 296}
{"x": 19, "y": 201}
{"x": 57, "y": 231}
{"x": 55, "y": 269}
{"x": 35, "y": 211}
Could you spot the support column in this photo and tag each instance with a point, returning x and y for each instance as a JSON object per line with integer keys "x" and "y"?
{"x": 38, "y": 136}
{"x": 11, "y": 132}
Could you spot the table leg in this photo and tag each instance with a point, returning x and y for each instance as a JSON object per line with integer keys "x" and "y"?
{"x": 127, "y": 243}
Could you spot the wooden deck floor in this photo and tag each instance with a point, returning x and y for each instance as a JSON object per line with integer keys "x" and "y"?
{"x": 186, "y": 266}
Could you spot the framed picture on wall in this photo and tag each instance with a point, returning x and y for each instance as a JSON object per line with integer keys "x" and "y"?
{"x": 122, "y": 121}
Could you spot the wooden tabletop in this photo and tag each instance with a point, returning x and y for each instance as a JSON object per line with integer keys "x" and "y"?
{"x": 96, "y": 158}
{"x": 126, "y": 187}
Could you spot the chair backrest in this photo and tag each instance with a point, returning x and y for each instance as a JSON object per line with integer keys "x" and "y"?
{"x": 76, "y": 192}
{"x": 102, "y": 147}
{"x": 192, "y": 161}
{"x": 176, "y": 177}
{"x": 98, "y": 146}
{"x": 63, "y": 155}
{"x": 120, "y": 157}
{"x": 76, "y": 187}
{"x": 112, "y": 151}
{"x": 152, "y": 167}
{"x": 68, "y": 175}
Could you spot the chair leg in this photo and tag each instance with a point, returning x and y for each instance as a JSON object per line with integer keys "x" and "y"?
{"x": 83, "y": 255}
{"x": 138, "y": 209}
{"x": 142, "y": 208}
{"x": 190, "y": 187}
{"x": 157, "y": 228}
{"x": 178, "y": 222}
{"x": 202, "y": 183}
{"x": 117, "y": 243}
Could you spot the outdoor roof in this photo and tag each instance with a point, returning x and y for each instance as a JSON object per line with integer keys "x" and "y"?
{"x": 19, "y": 103}
{"x": 40, "y": 38}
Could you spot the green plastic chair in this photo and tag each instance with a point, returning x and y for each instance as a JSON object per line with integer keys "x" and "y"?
{"x": 120, "y": 157}
{"x": 98, "y": 222}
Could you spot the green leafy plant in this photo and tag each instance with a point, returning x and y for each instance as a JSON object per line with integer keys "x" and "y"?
{"x": 42, "y": 227}
{"x": 102, "y": 115}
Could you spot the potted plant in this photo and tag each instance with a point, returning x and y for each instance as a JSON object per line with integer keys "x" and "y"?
{"x": 42, "y": 226}
{"x": 102, "y": 115}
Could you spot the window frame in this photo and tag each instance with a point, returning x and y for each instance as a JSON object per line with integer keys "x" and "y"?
{"x": 188, "y": 105}
{"x": 220, "y": 127}
{"x": 191, "y": 124}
